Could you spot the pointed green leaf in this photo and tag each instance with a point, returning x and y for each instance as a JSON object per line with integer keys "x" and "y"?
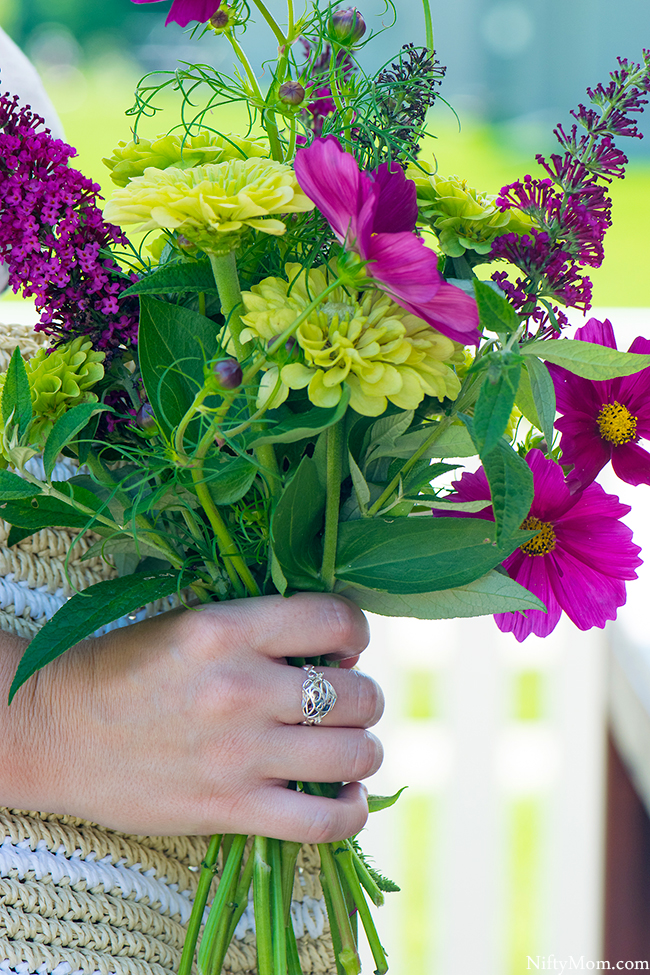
{"x": 360, "y": 484}
{"x": 453, "y": 442}
{"x": 173, "y": 346}
{"x": 491, "y": 593}
{"x": 543, "y": 392}
{"x": 291, "y": 427}
{"x": 495, "y": 312}
{"x": 494, "y": 405}
{"x": 296, "y": 524}
{"x": 587, "y": 359}
{"x": 176, "y": 279}
{"x": 409, "y": 555}
{"x": 16, "y": 395}
{"x": 66, "y": 428}
{"x": 228, "y": 482}
{"x": 525, "y": 401}
{"x": 14, "y": 488}
{"x": 377, "y": 803}
{"x": 89, "y": 610}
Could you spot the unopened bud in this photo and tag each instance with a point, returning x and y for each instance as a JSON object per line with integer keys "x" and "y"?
{"x": 347, "y": 26}
{"x": 221, "y": 19}
{"x": 292, "y": 93}
{"x": 229, "y": 374}
{"x": 145, "y": 418}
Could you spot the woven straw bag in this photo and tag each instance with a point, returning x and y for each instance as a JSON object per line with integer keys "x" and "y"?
{"x": 79, "y": 899}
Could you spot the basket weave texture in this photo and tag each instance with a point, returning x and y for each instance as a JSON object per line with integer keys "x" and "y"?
{"x": 77, "y": 898}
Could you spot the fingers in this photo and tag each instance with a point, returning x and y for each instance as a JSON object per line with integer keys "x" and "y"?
{"x": 289, "y": 815}
{"x": 305, "y": 754}
{"x": 359, "y": 699}
{"x": 305, "y": 625}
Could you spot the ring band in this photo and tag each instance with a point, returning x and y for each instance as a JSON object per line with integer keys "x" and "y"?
{"x": 318, "y": 696}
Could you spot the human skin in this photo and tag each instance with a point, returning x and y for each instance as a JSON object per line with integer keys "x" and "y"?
{"x": 190, "y": 723}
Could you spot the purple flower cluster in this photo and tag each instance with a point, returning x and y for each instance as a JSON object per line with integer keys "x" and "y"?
{"x": 571, "y": 208}
{"x": 53, "y": 237}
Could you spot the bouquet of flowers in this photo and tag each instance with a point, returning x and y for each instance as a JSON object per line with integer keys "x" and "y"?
{"x": 268, "y": 385}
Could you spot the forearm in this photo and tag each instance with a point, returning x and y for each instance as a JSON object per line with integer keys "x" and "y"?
{"x": 20, "y": 724}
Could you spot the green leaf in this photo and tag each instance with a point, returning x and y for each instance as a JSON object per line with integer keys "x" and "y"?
{"x": 16, "y": 395}
{"x": 543, "y": 394}
{"x": 176, "y": 279}
{"x": 511, "y": 487}
{"x": 453, "y": 442}
{"x": 491, "y": 593}
{"x": 494, "y": 405}
{"x": 377, "y": 803}
{"x": 525, "y": 401}
{"x": 587, "y": 359}
{"x": 66, "y": 428}
{"x": 228, "y": 482}
{"x": 14, "y": 488}
{"x": 383, "y": 434}
{"x": 407, "y": 555}
{"x": 438, "y": 504}
{"x": 291, "y": 427}
{"x": 42, "y": 512}
{"x": 296, "y": 524}
{"x": 361, "y": 489}
{"x": 173, "y": 346}
{"x": 89, "y": 610}
{"x": 122, "y": 545}
{"x": 495, "y": 312}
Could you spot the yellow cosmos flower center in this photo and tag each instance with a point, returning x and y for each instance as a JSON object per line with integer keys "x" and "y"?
{"x": 544, "y": 542}
{"x": 616, "y": 423}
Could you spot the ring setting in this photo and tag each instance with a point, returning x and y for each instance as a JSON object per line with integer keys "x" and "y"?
{"x": 318, "y": 696}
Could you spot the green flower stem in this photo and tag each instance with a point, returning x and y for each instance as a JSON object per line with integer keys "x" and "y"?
{"x": 201, "y": 302}
{"x": 268, "y": 17}
{"x": 334, "y": 931}
{"x": 230, "y": 920}
{"x": 290, "y": 853}
{"x": 428, "y": 24}
{"x": 293, "y": 958}
{"x": 235, "y": 566}
{"x": 181, "y": 429}
{"x": 268, "y": 119}
{"x": 203, "y": 890}
{"x": 366, "y": 878}
{"x": 278, "y": 908}
{"x": 345, "y": 864}
{"x": 224, "y": 269}
{"x": 225, "y": 890}
{"x": 291, "y": 20}
{"x": 348, "y": 956}
{"x": 266, "y": 457}
{"x": 262, "y": 902}
{"x": 335, "y": 438}
{"x": 437, "y": 432}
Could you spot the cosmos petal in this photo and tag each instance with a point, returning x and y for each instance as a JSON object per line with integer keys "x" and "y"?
{"x": 404, "y": 266}
{"x": 631, "y": 463}
{"x": 183, "y": 11}
{"x": 397, "y": 205}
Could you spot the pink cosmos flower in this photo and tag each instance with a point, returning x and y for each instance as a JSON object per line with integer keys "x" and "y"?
{"x": 183, "y": 11}
{"x": 604, "y": 420}
{"x": 580, "y": 559}
{"x": 373, "y": 214}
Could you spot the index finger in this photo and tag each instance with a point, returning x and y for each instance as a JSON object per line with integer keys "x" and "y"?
{"x": 309, "y": 624}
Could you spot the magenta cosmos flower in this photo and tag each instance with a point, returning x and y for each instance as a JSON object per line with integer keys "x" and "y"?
{"x": 604, "y": 420}
{"x": 580, "y": 559}
{"x": 373, "y": 214}
{"x": 183, "y": 11}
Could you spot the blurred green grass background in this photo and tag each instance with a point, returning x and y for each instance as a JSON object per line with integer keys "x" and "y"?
{"x": 92, "y": 111}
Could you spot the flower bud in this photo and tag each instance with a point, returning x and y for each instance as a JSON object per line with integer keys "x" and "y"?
{"x": 145, "y": 418}
{"x": 221, "y": 20}
{"x": 347, "y": 26}
{"x": 292, "y": 93}
{"x": 228, "y": 373}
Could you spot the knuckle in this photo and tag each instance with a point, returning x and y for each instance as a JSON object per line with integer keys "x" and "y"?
{"x": 364, "y": 757}
{"x": 368, "y": 699}
{"x": 346, "y": 623}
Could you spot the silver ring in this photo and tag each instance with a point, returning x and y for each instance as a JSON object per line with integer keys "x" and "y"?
{"x": 318, "y": 697}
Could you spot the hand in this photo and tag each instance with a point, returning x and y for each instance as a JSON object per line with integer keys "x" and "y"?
{"x": 191, "y": 723}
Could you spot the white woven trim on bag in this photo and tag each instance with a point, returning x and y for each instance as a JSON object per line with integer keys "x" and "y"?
{"x": 21, "y": 860}
{"x": 62, "y": 969}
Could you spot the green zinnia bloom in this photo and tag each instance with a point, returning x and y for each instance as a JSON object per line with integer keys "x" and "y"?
{"x": 463, "y": 218}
